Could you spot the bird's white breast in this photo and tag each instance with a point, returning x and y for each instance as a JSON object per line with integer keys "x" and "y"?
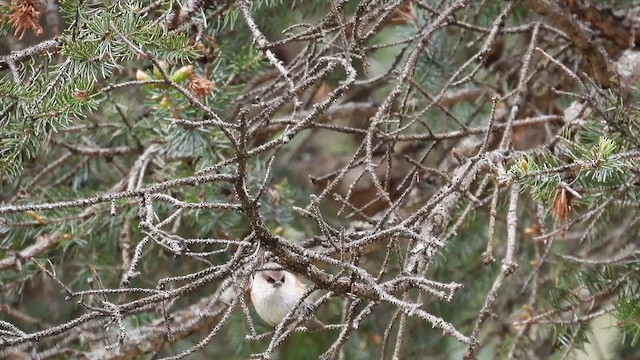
{"x": 273, "y": 303}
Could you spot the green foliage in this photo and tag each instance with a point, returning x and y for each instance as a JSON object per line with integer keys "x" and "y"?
{"x": 627, "y": 306}
{"x": 55, "y": 97}
{"x": 70, "y": 95}
{"x": 592, "y": 161}
{"x": 627, "y": 310}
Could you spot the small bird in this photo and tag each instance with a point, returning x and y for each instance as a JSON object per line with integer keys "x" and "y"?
{"x": 275, "y": 292}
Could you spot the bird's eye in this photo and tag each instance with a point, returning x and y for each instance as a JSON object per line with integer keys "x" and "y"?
{"x": 283, "y": 279}
{"x": 271, "y": 280}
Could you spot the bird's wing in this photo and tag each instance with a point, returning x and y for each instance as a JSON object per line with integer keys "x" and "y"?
{"x": 313, "y": 324}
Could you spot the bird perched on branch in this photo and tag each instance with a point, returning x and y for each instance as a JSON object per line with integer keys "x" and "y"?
{"x": 274, "y": 292}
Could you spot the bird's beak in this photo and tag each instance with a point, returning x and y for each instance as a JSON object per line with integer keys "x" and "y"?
{"x": 278, "y": 284}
